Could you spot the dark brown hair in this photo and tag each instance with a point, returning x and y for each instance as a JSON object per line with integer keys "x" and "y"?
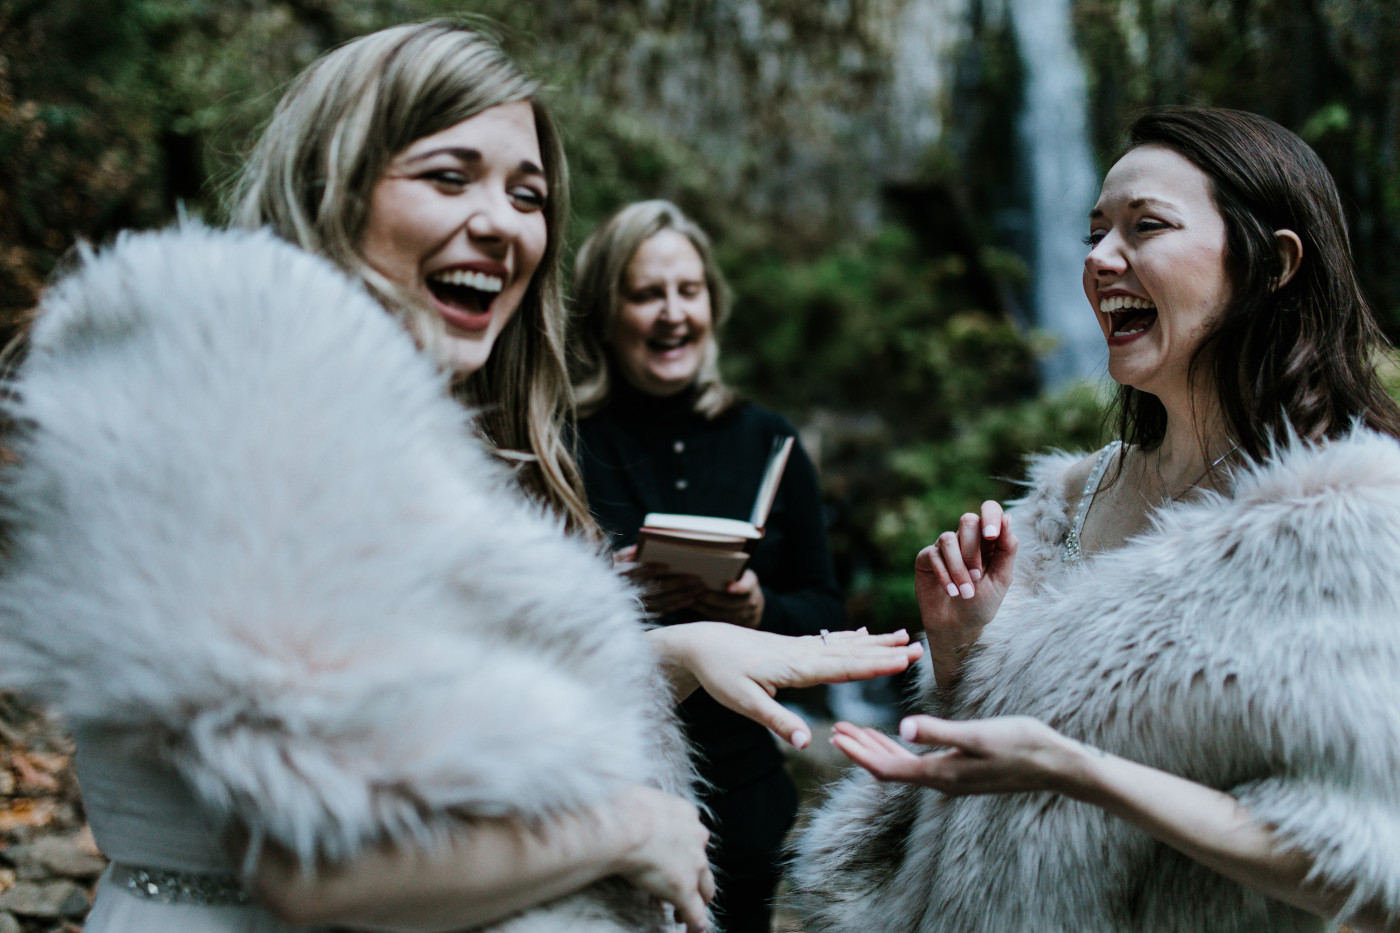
{"x": 1299, "y": 359}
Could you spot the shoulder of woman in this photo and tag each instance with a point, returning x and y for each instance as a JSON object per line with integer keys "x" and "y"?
{"x": 1316, "y": 526}
{"x": 1362, "y": 465}
{"x": 1059, "y": 474}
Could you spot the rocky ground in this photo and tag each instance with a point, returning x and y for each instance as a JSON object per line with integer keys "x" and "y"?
{"x": 48, "y": 860}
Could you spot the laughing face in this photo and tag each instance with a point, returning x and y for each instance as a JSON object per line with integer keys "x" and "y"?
{"x": 1155, "y": 274}
{"x": 664, "y": 324}
{"x": 458, "y": 221}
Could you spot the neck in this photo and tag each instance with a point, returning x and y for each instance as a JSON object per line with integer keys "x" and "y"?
{"x": 1194, "y": 446}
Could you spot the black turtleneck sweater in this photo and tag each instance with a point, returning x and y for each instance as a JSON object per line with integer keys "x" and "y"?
{"x": 646, "y": 454}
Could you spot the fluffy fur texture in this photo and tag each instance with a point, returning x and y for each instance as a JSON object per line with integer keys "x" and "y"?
{"x": 250, "y": 524}
{"x": 1250, "y": 643}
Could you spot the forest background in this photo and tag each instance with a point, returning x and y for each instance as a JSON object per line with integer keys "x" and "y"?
{"x": 879, "y": 239}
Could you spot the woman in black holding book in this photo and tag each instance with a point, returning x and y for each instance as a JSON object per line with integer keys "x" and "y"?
{"x": 661, "y": 432}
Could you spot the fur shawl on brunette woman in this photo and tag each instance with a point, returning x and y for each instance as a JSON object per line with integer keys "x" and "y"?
{"x": 1249, "y": 642}
{"x": 249, "y": 526}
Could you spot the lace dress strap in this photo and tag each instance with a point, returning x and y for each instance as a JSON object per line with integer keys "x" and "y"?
{"x": 1074, "y": 552}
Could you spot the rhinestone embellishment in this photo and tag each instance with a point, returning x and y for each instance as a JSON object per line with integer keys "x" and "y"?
{"x": 182, "y": 887}
{"x": 1074, "y": 553}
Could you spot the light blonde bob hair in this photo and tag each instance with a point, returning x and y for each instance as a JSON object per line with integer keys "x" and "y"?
{"x": 311, "y": 178}
{"x": 599, "y": 277}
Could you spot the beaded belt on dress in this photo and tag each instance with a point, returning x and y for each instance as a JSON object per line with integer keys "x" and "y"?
{"x": 181, "y": 887}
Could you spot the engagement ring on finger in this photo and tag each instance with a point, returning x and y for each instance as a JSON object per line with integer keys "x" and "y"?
{"x": 825, "y": 632}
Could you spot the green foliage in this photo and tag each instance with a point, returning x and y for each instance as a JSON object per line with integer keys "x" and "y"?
{"x": 615, "y": 159}
{"x": 983, "y": 460}
{"x": 931, "y": 485}
{"x": 878, "y": 325}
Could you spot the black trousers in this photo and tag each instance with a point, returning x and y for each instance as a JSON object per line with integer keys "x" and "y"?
{"x": 748, "y": 825}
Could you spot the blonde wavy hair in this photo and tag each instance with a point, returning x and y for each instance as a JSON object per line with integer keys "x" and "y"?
{"x": 311, "y": 176}
{"x": 599, "y": 273}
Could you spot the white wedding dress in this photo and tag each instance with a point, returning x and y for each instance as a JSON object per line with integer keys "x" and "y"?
{"x": 170, "y": 871}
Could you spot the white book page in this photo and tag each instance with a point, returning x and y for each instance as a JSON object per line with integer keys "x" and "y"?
{"x": 772, "y": 476}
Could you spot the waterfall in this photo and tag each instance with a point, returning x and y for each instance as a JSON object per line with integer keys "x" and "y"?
{"x": 1054, "y": 137}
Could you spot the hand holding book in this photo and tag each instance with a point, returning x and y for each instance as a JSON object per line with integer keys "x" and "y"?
{"x": 740, "y": 602}
{"x": 662, "y": 592}
{"x": 714, "y": 549}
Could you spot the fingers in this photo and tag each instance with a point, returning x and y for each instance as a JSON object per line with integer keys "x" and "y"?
{"x": 885, "y": 640}
{"x": 955, "y": 558}
{"x": 672, "y": 591}
{"x": 746, "y": 584}
{"x": 959, "y": 559}
{"x": 755, "y": 703}
{"x": 876, "y": 753}
{"x": 930, "y": 730}
{"x": 721, "y": 600}
{"x": 689, "y": 895}
{"x": 970, "y": 550}
{"x": 690, "y": 908}
{"x": 1003, "y": 553}
{"x": 991, "y": 520}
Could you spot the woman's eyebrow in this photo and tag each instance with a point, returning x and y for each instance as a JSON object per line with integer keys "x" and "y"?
{"x": 525, "y": 167}
{"x": 1134, "y": 204}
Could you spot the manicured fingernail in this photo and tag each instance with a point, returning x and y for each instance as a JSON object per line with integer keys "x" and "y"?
{"x": 907, "y": 730}
{"x": 967, "y": 591}
{"x": 952, "y": 589}
{"x": 989, "y": 531}
{"x": 800, "y": 739}
{"x": 975, "y": 574}
{"x": 862, "y": 631}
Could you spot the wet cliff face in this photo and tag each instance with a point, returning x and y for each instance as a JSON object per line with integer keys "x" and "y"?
{"x": 798, "y": 111}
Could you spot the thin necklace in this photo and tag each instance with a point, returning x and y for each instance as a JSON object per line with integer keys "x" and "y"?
{"x": 1197, "y": 482}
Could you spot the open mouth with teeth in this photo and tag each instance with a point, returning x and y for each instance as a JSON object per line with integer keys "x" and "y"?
{"x": 670, "y": 343}
{"x": 466, "y": 291}
{"x": 1127, "y": 316}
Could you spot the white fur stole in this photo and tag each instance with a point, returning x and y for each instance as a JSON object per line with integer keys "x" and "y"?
{"x": 1250, "y": 643}
{"x": 249, "y": 523}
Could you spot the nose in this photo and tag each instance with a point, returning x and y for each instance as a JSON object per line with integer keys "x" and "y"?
{"x": 1105, "y": 258}
{"x": 671, "y": 310}
{"x": 492, "y": 219}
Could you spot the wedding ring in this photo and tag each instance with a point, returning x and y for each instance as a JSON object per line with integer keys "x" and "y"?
{"x": 825, "y": 632}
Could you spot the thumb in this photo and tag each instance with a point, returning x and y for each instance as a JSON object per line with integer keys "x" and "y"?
{"x": 930, "y": 730}
{"x": 1003, "y": 555}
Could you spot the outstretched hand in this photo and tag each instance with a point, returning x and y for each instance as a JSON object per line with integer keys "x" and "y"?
{"x": 743, "y": 669}
{"x": 1005, "y": 755}
{"x": 959, "y": 582}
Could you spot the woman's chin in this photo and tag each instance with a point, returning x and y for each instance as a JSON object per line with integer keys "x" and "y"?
{"x": 463, "y": 357}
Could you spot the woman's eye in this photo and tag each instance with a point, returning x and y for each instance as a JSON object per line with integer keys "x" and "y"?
{"x": 1148, "y": 225}
{"x": 447, "y": 178}
{"x": 1092, "y": 238}
{"x": 527, "y": 199}
{"x": 691, "y": 290}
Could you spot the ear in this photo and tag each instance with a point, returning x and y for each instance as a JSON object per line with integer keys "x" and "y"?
{"x": 1290, "y": 256}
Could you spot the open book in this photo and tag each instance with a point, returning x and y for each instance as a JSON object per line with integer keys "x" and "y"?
{"x": 714, "y": 549}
